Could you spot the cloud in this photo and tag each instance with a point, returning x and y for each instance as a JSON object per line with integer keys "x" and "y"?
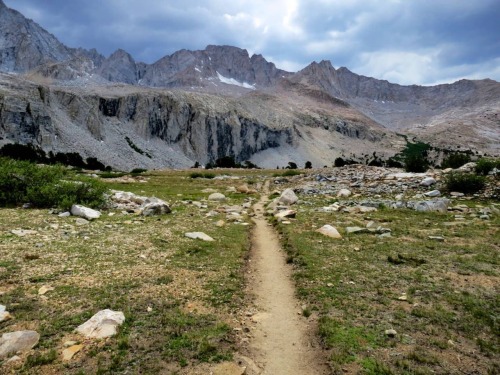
{"x": 404, "y": 41}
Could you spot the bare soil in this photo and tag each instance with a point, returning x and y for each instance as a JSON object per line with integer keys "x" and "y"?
{"x": 283, "y": 340}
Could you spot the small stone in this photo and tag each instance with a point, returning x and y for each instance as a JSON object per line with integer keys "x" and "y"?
{"x": 64, "y": 214}
{"x": 403, "y": 297}
{"x": 344, "y": 193}
{"x": 68, "y": 353}
{"x": 80, "y": 222}
{"x": 436, "y": 238}
{"x": 199, "y": 236}
{"x": 218, "y": 197}
{"x": 67, "y": 344}
{"x": 4, "y": 314}
{"x": 433, "y": 193}
{"x": 390, "y": 333}
{"x": 101, "y": 325}
{"x": 428, "y": 181}
{"x": 149, "y": 309}
{"x": 23, "y": 232}
{"x": 329, "y": 231}
{"x": 44, "y": 289}
{"x": 285, "y": 213}
{"x": 13, "y": 359}
{"x": 220, "y": 223}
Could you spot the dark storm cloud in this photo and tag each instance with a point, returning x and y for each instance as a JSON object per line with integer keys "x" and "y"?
{"x": 404, "y": 41}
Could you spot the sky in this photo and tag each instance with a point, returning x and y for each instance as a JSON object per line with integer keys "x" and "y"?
{"x": 403, "y": 41}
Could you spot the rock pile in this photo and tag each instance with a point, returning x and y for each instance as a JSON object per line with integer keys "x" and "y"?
{"x": 132, "y": 203}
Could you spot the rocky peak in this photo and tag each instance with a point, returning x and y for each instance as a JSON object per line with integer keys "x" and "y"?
{"x": 120, "y": 66}
{"x": 24, "y": 45}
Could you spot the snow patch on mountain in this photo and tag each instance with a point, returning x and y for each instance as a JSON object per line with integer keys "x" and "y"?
{"x": 232, "y": 81}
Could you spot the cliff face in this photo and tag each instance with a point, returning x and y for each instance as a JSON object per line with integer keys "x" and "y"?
{"x": 129, "y": 127}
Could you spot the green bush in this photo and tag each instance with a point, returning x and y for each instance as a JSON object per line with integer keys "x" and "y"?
{"x": 416, "y": 163}
{"x": 455, "y": 160}
{"x": 466, "y": 183}
{"x": 202, "y": 175}
{"x": 46, "y": 186}
{"x": 485, "y": 166}
{"x": 287, "y": 173}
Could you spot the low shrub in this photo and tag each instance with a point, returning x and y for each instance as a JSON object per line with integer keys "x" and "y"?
{"x": 287, "y": 173}
{"x": 46, "y": 186}
{"x": 202, "y": 175}
{"x": 455, "y": 160}
{"x": 138, "y": 171}
{"x": 485, "y": 166}
{"x": 466, "y": 183}
{"x": 416, "y": 163}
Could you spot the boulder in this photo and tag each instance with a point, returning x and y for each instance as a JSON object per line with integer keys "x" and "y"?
{"x": 288, "y": 197}
{"x": 438, "y": 205}
{"x": 85, "y": 212}
{"x": 199, "y": 236}
{"x": 19, "y": 341}
{"x": 428, "y": 181}
{"x": 101, "y": 325}
{"x": 218, "y": 197}
{"x": 242, "y": 189}
{"x": 154, "y": 206}
{"x": 329, "y": 231}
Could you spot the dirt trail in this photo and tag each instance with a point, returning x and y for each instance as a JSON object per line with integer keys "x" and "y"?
{"x": 283, "y": 339}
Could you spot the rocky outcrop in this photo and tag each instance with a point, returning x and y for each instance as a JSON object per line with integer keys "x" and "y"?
{"x": 120, "y": 67}
{"x": 24, "y": 45}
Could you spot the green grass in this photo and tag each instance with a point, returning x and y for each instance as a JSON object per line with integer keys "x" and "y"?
{"x": 178, "y": 294}
{"x": 355, "y": 283}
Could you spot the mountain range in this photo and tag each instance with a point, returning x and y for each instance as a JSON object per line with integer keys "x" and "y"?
{"x": 199, "y": 106}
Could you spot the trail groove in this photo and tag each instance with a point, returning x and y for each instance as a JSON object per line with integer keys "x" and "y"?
{"x": 283, "y": 339}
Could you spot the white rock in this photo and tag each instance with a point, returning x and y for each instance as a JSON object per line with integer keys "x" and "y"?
{"x": 288, "y": 197}
{"x": 366, "y": 209}
{"x": 344, "y": 193}
{"x": 218, "y": 197}
{"x": 329, "y": 231}
{"x": 4, "y": 314}
{"x": 285, "y": 213}
{"x": 439, "y": 205}
{"x": 199, "y": 236}
{"x": 154, "y": 206}
{"x": 428, "y": 181}
{"x": 101, "y": 325}
{"x": 85, "y": 212}
{"x": 23, "y": 232}
{"x": 433, "y": 193}
{"x": 19, "y": 341}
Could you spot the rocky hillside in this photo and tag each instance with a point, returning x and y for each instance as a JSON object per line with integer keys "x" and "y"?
{"x": 222, "y": 102}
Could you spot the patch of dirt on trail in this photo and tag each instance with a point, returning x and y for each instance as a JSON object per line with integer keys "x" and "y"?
{"x": 283, "y": 341}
